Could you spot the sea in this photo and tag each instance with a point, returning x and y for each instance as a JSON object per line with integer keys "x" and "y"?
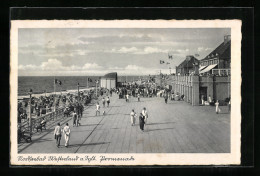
{"x": 42, "y": 84}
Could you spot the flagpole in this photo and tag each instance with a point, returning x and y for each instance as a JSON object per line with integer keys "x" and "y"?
{"x": 54, "y": 85}
{"x": 160, "y": 79}
{"x": 87, "y": 83}
{"x": 54, "y": 94}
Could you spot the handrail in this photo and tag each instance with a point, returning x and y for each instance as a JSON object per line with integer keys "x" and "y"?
{"x": 48, "y": 117}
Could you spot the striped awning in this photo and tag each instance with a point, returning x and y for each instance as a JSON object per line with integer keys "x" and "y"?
{"x": 208, "y": 68}
{"x": 202, "y": 67}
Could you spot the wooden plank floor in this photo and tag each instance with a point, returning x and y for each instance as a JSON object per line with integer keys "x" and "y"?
{"x": 176, "y": 127}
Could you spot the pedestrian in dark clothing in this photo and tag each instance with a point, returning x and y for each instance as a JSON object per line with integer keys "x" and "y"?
{"x": 108, "y": 101}
{"x": 166, "y": 98}
{"x": 75, "y": 118}
{"x": 141, "y": 121}
{"x": 104, "y": 102}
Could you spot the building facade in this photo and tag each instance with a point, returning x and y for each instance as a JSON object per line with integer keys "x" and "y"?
{"x": 109, "y": 81}
{"x": 193, "y": 87}
{"x": 218, "y": 61}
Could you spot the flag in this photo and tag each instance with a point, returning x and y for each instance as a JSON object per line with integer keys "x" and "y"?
{"x": 161, "y": 61}
{"x": 57, "y": 82}
{"x": 89, "y": 80}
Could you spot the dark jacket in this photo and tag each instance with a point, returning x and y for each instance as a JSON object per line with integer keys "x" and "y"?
{"x": 141, "y": 119}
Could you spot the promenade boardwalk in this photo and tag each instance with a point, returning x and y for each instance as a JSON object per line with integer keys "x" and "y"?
{"x": 176, "y": 127}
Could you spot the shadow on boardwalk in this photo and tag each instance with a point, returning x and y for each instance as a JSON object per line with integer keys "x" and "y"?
{"x": 91, "y": 124}
{"x": 159, "y": 129}
{"x": 160, "y": 123}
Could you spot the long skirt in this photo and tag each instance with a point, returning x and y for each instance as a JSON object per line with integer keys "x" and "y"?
{"x": 141, "y": 125}
{"x": 217, "y": 109}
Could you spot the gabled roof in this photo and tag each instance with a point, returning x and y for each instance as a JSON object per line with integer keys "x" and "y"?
{"x": 223, "y": 51}
{"x": 190, "y": 62}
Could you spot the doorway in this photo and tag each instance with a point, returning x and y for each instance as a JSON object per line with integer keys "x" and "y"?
{"x": 203, "y": 92}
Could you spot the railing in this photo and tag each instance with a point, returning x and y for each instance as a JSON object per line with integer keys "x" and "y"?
{"x": 52, "y": 116}
{"x": 221, "y": 72}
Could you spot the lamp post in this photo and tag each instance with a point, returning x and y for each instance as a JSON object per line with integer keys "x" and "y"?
{"x": 160, "y": 79}
{"x": 96, "y": 86}
{"x": 30, "y": 107}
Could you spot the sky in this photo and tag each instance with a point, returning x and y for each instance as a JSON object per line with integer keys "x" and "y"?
{"x": 97, "y": 51}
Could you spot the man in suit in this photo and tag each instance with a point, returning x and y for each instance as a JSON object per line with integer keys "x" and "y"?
{"x": 57, "y": 134}
{"x": 141, "y": 121}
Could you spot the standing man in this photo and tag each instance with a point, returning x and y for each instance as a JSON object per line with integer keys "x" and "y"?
{"x": 66, "y": 132}
{"x": 75, "y": 118}
{"x": 97, "y": 109}
{"x": 132, "y": 116}
{"x": 138, "y": 97}
{"x": 145, "y": 114}
{"x": 57, "y": 134}
{"x": 81, "y": 108}
{"x": 141, "y": 121}
{"x": 127, "y": 98}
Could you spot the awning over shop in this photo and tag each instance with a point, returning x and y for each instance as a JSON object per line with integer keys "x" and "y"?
{"x": 202, "y": 67}
{"x": 208, "y": 68}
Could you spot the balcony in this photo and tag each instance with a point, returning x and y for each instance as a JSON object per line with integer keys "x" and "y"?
{"x": 221, "y": 72}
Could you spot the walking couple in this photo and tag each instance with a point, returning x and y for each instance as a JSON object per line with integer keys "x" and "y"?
{"x": 142, "y": 118}
{"x": 57, "y": 134}
{"x": 104, "y": 101}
